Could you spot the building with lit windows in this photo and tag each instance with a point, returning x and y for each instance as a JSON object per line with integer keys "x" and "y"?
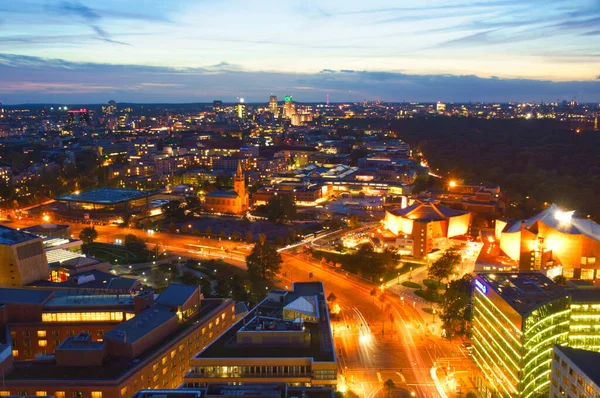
{"x": 104, "y": 203}
{"x": 575, "y": 373}
{"x": 241, "y": 109}
{"x": 104, "y": 346}
{"x": 285, "y": 339}
{"x": 517, "y": 318}
{"x": 22, "y": 258}
{"x": 274, "y": 106}
{"x": 553, "y": 238}
{"x": 425, "y": 226}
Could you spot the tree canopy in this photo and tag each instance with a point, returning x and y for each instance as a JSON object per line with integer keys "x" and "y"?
{"x": 457, "y": 308}
{"x": 264, "y": 262}
{"x": 173, "y": 211}
{"x": 88, "y": 235}
{"x": 442, "y": 268}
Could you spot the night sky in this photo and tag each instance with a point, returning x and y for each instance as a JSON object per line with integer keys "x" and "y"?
{"x": 201, "y": 50}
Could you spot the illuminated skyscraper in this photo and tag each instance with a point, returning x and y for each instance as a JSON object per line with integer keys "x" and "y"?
{"x": 273, "y": 106}
{"x": 288, "y": 107}
{"x": 517, "y": 318}
{"x": 241, "y": 109}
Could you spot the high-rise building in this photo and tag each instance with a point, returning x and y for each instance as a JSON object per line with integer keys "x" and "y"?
{"x": 274, "y": 106}
{"x": 440, "y": 107}
{"x": 517, "y": 319}
{"x": 241, "y": 109}
{"x": 288, "y": 107}
{"x": 285, "y": 339}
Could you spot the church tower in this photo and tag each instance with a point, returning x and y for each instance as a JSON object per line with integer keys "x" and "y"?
{"x": 239, "y": 186}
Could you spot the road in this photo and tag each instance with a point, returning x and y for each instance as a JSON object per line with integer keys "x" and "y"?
{"x": 372, "y": 347}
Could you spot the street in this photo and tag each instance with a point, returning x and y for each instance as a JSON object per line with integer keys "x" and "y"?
{"x": 378, "y": 337}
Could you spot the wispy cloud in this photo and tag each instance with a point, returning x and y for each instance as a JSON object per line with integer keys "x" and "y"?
{"x": 69, "y": 82}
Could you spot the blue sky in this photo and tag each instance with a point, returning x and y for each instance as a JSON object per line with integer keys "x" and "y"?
{"x": 75, "y": 51}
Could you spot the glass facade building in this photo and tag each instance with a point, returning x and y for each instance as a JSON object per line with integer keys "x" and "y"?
{"x": 517, "y": 320}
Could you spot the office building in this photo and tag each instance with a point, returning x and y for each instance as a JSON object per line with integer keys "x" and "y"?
{"x": 288, "y": 107}
{"x": 517, "y": 318}
{"x": 241, "y": 110}
{"x": 575, "y": 373}
{"x": 553, "y": 238}
{"x": 274, "y": 106}
{"x": 425, "y": 226}
{"x": 104, "y": 346}
{"x": 22, "y": 258}
{"x": 285, "y": 339}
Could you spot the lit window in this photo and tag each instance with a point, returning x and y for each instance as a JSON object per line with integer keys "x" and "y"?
{"x": 96, "y": 394}
{"x": 41, "y": 333}
{"x": 4, "y": 393}
{"x": 15, "y": 353}
{"x": 43, "y": 343}
{"x": 40, "y": 393}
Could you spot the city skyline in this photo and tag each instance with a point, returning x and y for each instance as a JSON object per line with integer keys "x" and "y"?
{"x": 89, "y": 52}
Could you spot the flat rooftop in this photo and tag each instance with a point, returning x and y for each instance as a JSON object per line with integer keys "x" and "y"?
{"x": 106, "y": 195}
{"x": 80, "y": 343}
{"x": 523, "y": 291}
{"x": 113, "y": 367}
{"x": 11, "y": 236}
{"x": 321, "y": 347}
{"x": 25, "y": 296}
{"x": 140, "y": 325}
{"x": 95, "y": 300}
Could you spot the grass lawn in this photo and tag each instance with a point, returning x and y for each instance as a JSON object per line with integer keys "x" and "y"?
{"x": 430, "y": 283}
{"x": 407, "y": 267}
{"x": 429, "y": 295}
{"x": 115, "y": 254}
{"x": 412, "y": 285}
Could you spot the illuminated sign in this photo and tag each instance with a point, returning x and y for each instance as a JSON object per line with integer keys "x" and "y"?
{"x": 480, "y": 286}
{"x": 288, "y": 98}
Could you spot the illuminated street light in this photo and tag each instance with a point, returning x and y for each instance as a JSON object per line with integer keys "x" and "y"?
{"x": 452, "y": 184}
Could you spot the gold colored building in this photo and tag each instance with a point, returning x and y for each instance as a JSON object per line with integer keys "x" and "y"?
{"x": 234, "y": 202}
{"x": 425, "y": 226}
{"x": 550, "y": 238}
{"x": 286, "y": 339}
{"x": 22, "y": 258}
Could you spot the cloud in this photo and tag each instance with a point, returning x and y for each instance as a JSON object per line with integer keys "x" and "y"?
{"x": 21, "y": 80}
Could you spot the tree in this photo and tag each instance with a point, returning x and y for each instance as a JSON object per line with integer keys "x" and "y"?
{"x": 249, "y": 237}
{"x": 173, "y": 211}
{"x": 235, "y": 235}
{"x": 264, "y": 261}
{"x": 208, "y": 231}
{"x": 442, "y": 268}
{"x": 88, "y": 235}
{"x": 560, "y": 280}
{"x": 134, "y": 244}
{"x": 456, "y": 308}
{"x": 389, "y": 386}
{"x": 281, "y": 208}
{"x": 189, "y": 278}
{"x": 331, "y": 298}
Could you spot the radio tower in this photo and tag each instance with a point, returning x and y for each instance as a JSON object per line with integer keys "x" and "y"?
{"x": 327, "y": 100}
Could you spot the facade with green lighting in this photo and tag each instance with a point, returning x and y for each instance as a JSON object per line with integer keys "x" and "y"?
{"x": 584, "y": 328}
{"x": 517, "y": 320}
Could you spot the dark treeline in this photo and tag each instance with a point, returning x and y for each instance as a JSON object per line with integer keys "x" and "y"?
{"x": 543, "y": 159}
